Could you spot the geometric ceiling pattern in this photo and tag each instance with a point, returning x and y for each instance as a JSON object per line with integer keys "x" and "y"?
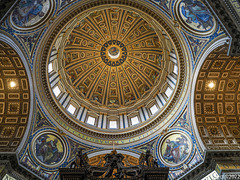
{"x": 14, "y": 99}
{"x": 119, "y": 72}
{"x": 113, "y": 68}
{"x": 113, "y": 57}
{"x": 110, "y": 67}
{"x": 217, "y": 100}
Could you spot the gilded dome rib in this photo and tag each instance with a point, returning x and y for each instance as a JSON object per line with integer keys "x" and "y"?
{"x": 94, "y": 26}
{"x": 84, "y": 34}
{"x": 106, "y": 17}
{"x": 95, "y": 83}
{"x": 84, "y": 76}
{"x": 134, "y": 26}
{"x": 131, "y": 84}
{"x": 106, "y": 88}
{"x": 141, "y": 76}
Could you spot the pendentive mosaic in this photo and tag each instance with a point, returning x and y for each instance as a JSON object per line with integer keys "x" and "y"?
{"x": 195, "y": 17}
{"x": 175, "y": 148}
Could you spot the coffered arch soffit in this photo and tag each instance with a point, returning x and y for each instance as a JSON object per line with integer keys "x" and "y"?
{"x": 16, "y": 95}
{"x": 216, "y": 101}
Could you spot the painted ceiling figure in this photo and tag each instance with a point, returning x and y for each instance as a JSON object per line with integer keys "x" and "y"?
{"x": 27, "y": 10}
{"x": 196, "y": 11}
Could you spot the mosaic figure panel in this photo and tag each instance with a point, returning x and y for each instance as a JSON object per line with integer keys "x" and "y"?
{"x": 195, "y": 16}
{"x": 30, "y": 12}
{"x": 29, "y": 41}
{"x": 197, "y": 159}
{"x": 49, "y": 149}
{"x": 175, "y": 149}
{"x": 41, "y": 120}
{"x": 27, "y": 162}
{"x": 183, "y": 121}
{"x": 196, "y": 44}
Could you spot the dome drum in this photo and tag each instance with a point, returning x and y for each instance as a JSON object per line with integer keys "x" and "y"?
{"x": 123, "y": 81}
{"x": 136, "y": 90}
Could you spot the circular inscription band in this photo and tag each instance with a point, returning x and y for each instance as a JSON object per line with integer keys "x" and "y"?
{"x": 113, "y": 53}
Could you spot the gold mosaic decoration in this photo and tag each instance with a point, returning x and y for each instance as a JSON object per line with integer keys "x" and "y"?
{"x": 74, "y": 121}
{"x": 217, "y": 101}
{"x": 14, "y": 99}
{"x": 113, "y": 57}
{"x": 100, "y": 161}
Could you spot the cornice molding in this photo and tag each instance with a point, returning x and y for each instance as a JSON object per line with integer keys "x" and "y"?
{"x": 210, "y": 161}
{"x": 228, "y": 18}
{"x": 14, "y": 169}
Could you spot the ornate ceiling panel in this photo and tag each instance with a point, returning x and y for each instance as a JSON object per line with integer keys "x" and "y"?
{"x": 14, "y": 99}
{"x": 217, "y": 101}
{"x": 118, "y": 71}
{"x": 113, "y": 58}
{"x": 113, "y": 68}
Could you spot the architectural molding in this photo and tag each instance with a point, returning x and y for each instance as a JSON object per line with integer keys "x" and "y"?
{"x": 228, "y": 18}
{"x": 213, "y": 46}
{"x": 210, "y": 161}
{"x": 9, "y": 40}
{"x": 11, "y": 167}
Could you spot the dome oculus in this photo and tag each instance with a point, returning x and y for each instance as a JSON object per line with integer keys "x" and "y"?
{"x": 113, "y": 53}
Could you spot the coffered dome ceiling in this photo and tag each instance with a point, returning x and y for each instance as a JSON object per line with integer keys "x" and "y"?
{"x": 113, "y": 58}
{"x": 113, "y": 61}
{"x": 217, "y": 98}
{"x": 113, "y": 67}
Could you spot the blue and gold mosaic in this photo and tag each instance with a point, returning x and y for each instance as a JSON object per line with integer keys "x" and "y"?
{"x": 125, "y": 87}
{"x": 113, "y": 53}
